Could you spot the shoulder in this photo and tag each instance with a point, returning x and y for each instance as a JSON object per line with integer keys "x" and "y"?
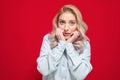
{"x": 86, "y": 43}
{"x": 46, "y": 36}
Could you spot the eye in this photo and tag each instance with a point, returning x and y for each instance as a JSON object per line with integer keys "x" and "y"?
{"x": 72, "y": 23}
{"x": 62, "y": 22}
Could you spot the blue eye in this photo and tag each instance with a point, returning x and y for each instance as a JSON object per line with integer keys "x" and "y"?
{"x": 72, "y": 23}
{"x": 62, "y": 22}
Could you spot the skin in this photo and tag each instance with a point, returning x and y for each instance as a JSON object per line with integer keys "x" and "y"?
{"x": 67, "y": 27}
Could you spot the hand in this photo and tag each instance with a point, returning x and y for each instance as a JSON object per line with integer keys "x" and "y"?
{"x": 59, "y": 34}
{"x": 75, "y": 35}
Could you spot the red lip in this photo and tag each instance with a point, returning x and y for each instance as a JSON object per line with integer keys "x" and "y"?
{"x": 66, "y": 34}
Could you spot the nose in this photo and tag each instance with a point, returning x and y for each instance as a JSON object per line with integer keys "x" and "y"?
{"x": 66, "y": 27}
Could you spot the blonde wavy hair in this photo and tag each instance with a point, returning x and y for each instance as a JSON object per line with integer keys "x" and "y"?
{"x": 82, "y": 27}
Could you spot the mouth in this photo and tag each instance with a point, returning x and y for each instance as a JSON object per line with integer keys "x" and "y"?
{"x": 66, "y": 34}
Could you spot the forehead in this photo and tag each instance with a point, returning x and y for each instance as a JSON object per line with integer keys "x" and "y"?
{"x": 67, "y": 16}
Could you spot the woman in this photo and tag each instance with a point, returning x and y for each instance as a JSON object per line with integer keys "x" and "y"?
{"x": 65, "y": 52}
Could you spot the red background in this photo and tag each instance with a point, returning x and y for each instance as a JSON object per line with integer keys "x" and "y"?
{"x": 24, "y": 23}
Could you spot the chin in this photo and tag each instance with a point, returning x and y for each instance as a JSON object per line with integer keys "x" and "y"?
{"x": 66, "y": 38}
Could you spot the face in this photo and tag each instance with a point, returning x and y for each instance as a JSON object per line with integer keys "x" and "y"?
{"x": 67, "y": 22}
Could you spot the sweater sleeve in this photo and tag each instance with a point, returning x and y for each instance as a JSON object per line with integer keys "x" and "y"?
{"x": 79, "y": 63}
{"x": 48, "y": 60}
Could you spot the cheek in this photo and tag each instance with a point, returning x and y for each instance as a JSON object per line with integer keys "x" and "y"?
{"x": 73, "y": 28}
{"x": 61, "y": 27}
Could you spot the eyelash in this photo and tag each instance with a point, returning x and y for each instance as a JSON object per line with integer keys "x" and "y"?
{"x": 72, "y": 23}
{"x": 63, "y": 22}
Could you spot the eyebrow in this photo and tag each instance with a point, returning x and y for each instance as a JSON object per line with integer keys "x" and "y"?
{"x": 64, "y": 20}
{"x": 61, "y": 19}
